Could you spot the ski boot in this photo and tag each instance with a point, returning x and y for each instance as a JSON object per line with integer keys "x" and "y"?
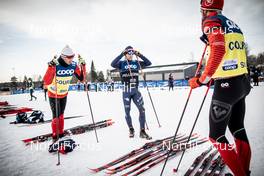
{"x": 131, "y": 132}
{"x": 144, "y": 135}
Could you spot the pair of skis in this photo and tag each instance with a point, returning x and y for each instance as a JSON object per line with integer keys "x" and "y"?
{"x": 209, "y": 167}
{"x": 44, "y": 122}
{"x": 71, "y": 131}
{"x": 162, "y": 157}
{"x": 131, "y": 154}
{"x": 147, "y": 156}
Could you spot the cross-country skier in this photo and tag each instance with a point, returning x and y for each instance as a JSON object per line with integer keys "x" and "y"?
{"x": 129, "y": 72}
{"x": 59, "y": 75}
{"x": 31, "y": 89}
{"x": 227, "y": 66}
{"x": 170, "y": 82}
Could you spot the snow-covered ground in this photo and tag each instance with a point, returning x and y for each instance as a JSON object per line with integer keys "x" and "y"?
{"x": 18, "y": 159}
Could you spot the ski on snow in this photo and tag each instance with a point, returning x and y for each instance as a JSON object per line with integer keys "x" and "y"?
{"x": 149, "y": 154}
{"x": 71, "y": 131}
{"x": 205, "y": 163}
{"x": 219, "y": 168}
{"x": 163, "y": 157}
{"x": 45, "y": 121}
{"x": 134, "y": 153}
{"x": 12, "y": 111}
{"x": 196, "y": 162}
{"x": 213, "y": 166}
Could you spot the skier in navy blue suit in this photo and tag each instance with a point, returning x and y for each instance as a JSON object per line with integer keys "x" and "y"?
{"x": 129, "y": 73}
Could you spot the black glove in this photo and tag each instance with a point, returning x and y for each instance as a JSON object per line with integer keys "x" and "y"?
{"x": 204, "y": 39}
{"x": 81, "y": 61}
{"x": 53, "y": 62}
{"x": 137, "y": 53}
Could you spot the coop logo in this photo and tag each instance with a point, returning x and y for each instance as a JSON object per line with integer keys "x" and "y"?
{"x": 65, "y": 72}
{"x": 209, "y": 2}
{"x": 237, "y": 45}
{"x": 131, "y": 66}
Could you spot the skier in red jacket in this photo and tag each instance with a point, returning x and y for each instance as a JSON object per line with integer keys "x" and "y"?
{"x": 227, "y": 66}
{"x": 57, "y": 80}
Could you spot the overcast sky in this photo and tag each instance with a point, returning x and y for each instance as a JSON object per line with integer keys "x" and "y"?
{"x": 165, "y": 31}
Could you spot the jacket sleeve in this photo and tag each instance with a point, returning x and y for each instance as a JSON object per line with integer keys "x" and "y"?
{"x": 49, "y": 75}
{"x": 145, "y": 61}
{"x": 80, "y": 73}
{"x": 217, "y": 49}
{"x": 116, "y": 62}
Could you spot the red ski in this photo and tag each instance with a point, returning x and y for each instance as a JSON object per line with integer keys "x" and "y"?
{"x": 3, "y": 103}
{"x": 13, "y": 111}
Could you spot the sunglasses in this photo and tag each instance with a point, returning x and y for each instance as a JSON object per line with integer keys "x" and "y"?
{"x": 130, "y": 52}
{"x": 71, "y": 57}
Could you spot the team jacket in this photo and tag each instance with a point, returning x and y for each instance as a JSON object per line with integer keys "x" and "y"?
{"x": 227, "y": 52}
{"x": 125, "y": 66}
{"x": 62, "y": 74}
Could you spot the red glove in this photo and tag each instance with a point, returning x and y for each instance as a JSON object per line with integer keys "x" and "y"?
{"x": 194, "y": 83}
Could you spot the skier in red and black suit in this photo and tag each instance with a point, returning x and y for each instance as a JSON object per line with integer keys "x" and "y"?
{"x": 57, "y": 79}
{"x": 227, "y": 66}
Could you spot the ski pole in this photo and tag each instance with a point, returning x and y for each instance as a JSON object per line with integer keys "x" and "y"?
{"x": 130, "y": 72}
{"x": 90, "y": 106}
{"x": 57, "y": 114}
{"x": 194, "y": 124}
{"x": 183, "y": 112}
{"x": 145, "y": 82}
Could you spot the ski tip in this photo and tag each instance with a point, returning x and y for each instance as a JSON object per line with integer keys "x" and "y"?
{"x": 27, "y": 140}
{"x": 93, "y": 170}
{"x": 109, "y": 173}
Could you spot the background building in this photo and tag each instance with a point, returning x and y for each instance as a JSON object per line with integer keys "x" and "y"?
{"x": 161, "y": 72}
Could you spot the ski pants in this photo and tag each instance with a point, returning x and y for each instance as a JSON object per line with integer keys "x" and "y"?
{"x": 135, "y": 95}
{"x": 57, "y": 123}
{"x": 61, "y": 104}
{"x": 228, "y": 110}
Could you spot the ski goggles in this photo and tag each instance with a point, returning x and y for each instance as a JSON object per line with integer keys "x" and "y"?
{"x": 130, "y": 52}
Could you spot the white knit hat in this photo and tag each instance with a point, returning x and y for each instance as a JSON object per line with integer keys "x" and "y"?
{"x": 67, "y": 52}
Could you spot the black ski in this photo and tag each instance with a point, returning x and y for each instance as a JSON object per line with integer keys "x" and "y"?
{"x": 196, "y": 162}
{"x": 215, "y": 163}
{"x": 205, "y": 163}
{"x": 220, "y": 168}
{"x": 71, "y": 131}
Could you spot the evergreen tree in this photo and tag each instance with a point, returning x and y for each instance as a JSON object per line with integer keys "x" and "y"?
{"x": 100, "y": 77}
{"x": 93, "y": 74}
